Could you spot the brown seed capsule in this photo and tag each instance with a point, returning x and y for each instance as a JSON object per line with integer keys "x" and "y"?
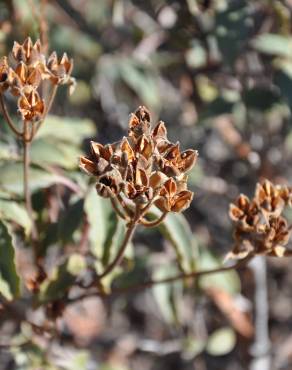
{"x": 143, "y": 167}
{"x": 4, "y": 72}
{"x": 24, "y": 74}
{"x": 31, "y": 106}
{"x": 260, "y": 227}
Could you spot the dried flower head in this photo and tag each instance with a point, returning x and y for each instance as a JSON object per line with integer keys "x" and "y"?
{"x": 260, "y": 227}
{"x": 23, "y": 74}
{"x": 143, "y": 168}
{"x": 4, "y": 72}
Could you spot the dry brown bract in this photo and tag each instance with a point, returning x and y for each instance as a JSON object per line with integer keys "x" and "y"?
{"x": 260, "y": 227}
{"x": 142, "y": 168}
{"x": 23, "y": 73}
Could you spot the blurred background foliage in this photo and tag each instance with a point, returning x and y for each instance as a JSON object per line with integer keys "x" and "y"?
{"x": 219, "y": 73}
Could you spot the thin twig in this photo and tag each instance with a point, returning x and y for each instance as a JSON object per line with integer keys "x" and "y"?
{"x": 116, "y": 208}
{"x": 27, "y": 195}
{"x": 155, "y": 222}
{"x": 8, "y": 118}
{"x": 120, "y": 254}
{"x": 48, "y": 108}
{"x": 150, "y": 283}
{"x": 123, "y": 204}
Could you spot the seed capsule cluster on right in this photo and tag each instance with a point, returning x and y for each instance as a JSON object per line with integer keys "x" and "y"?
{"x": 260, "y": 226}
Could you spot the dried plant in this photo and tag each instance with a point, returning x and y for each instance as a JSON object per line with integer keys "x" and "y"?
{"x": 141, "y": 170}
{"x": 260, "y": 227}
{"x": 27, "y": 75}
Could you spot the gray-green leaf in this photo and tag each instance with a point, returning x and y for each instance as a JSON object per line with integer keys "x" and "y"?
{"x": 9, "y": 280}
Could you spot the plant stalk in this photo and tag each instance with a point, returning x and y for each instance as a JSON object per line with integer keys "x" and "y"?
{"x": 150, "y": 283}
{"x": 27, "y": 194}
{"x": 117, "y": 260}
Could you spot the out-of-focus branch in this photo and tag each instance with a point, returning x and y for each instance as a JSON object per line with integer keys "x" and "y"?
{"x": 261, "y": 346}
{"x": 150, "y": 283}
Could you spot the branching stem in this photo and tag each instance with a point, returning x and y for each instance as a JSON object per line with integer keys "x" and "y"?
{"x": 120, "y": 254}
{"x": 27, "y": 194}
{"x": 150, "y": 283}
{"x": 117, "y": 209}
{"x": 48, "y": 108}
{"x": 155, "y": 222}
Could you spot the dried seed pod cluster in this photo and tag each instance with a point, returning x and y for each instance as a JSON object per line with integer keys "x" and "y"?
{"x": 24, "y": 71}
{"x": 144, "y": 167}
{"x": 260, "y": 227}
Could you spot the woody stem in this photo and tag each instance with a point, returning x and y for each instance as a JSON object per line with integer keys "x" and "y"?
{"x": 117, "y": 209}
{"x": 194, "y": 274}
{"x": 155, "y": 222}
{"x": 27, "y": 194}
{"x": 139, "y": 213}
{"x": 117, "y": 260}
{"x": 171, "y": 279}
{"x": 48, "y": 108}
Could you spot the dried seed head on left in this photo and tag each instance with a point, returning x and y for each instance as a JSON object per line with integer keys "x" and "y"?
{"x": 25, "y": 70}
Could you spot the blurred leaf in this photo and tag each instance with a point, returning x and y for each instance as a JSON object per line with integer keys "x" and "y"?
{"x": 13, "y": 211}
{"x": 106, "y": 233}
{"x": 193, "y": 346}
{"x": 62, "y": 278}
{"x": 196, "y": 57}
{"x": 260, "y": 98}
{"x": 284, "y": 82}
{"x": 60, "y": 153}
{"x": 9, "y": 280}
{"x": 81, "y": 95}
{"x": 99, "y": 213}
{"x": 116, "y": 233}
{"x": 273, "y": 44}
{"x": 216, "y": 107}
{"x": 71, "y": 130}
{"x": 221, "y": 342}
{"x": 85, "y": 48}
{"x": 70, "y": 221}
{"x": 232, "y": 30}
{"x": 80, "y": 360}
{"x": 5, "y": 151}
{"x": 168, "y": 296}
{"x": 227, "y": 281}
{"x": 176, "y": 229}
{"x": 12, "y": 177}
{"x": 143, "y": 81}
{"x": 206, "y": 88}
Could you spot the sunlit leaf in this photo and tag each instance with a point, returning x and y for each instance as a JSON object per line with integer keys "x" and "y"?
{"x": 99, "y": 212}
{"x": 60, "y": 153}
{"x": 13, "y": 211}
{"x": 228, "y": 281}
{"x": 273, "y": 44}
{"x": 11, "y": 179}
{"x": 9, "y": 280}
{"x": 62, "y": 278}
{"x": 176, "y": 229}
{"x": 221, "y": 342}
{"x": 72, "y": 130}
{"x": 168, "y": 296}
